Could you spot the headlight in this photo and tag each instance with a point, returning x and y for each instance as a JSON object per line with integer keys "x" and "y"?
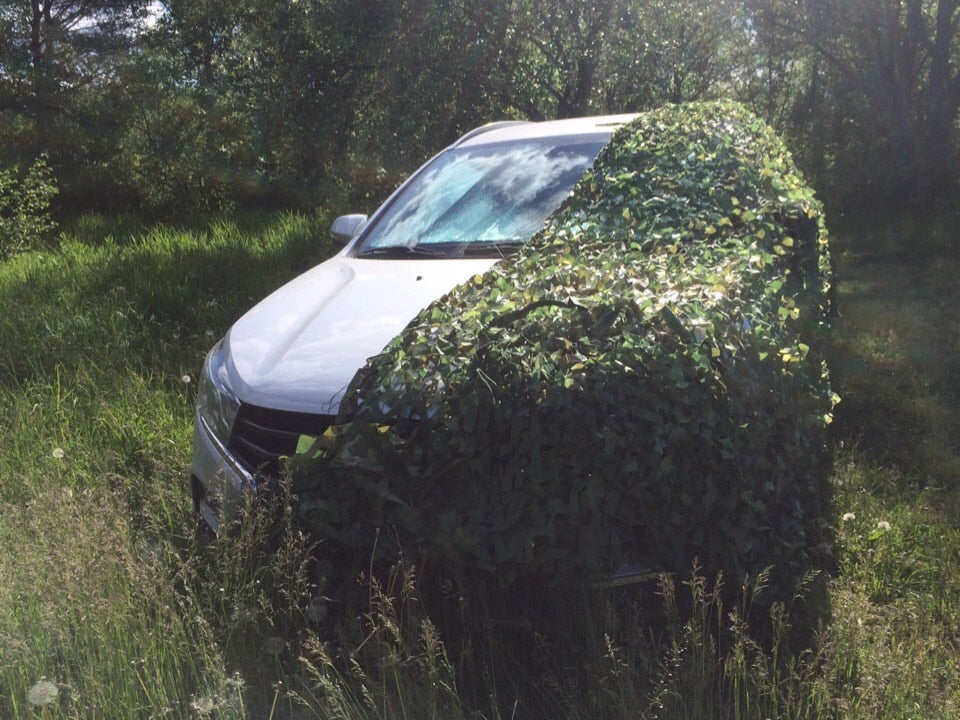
{"x": 216, "y": 402}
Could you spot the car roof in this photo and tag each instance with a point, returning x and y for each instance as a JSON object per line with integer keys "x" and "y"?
{"x": 599, "y": 127}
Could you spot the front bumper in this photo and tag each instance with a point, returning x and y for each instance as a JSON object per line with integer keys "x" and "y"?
{"x": 218, "y": 480}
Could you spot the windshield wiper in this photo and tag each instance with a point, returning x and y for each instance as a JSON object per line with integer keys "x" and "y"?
{"x": 403, "y": 252}
{"x": 501, "y": 247}
{"x": 498, "y": 248}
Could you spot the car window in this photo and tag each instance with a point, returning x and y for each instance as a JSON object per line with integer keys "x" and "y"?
{"x": 480, "y": 199}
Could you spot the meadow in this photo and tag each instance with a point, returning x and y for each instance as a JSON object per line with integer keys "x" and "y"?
{"x": 109, "y": 607}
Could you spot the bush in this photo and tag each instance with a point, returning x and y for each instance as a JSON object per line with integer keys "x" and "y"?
{"x": 639, "y": 385}
{"x": 25, "y": 207}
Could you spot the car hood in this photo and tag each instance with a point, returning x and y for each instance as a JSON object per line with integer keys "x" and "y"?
{"x": 299, "y": 348}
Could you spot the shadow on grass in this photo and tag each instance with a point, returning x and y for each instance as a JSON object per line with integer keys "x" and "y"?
{"x": 893, "y": 352}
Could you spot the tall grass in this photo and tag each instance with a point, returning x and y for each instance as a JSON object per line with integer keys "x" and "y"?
{"x": 892, "y": 646}
{"x": 100, "y": 343}
{"x": 105, "y": 593}
{"x": 92, "y": 609}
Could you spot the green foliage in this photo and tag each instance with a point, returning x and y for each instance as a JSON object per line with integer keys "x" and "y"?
{"x": 872, "y": 89}
{"x": 637, "y": 385}
{"x": 208, "y": 106}
{"x": 272, "y": 100}
{"x": 25, "y": 207}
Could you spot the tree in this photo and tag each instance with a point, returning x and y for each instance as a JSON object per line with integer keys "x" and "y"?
{"x": 568, "y": 57}
{"x": 888, "y": 71}
{"x": 566, "y": 39}
{"x": 662, "y": 51}
{"x": 59, "y": 68}
{"x": 67, "y": 38}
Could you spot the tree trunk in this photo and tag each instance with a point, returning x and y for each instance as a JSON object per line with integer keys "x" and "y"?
{"x": 942, "y": 104}
{"x": 36, "y": 34}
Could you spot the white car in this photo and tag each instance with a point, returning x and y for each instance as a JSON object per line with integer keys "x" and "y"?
{"x": 280, "y": 372}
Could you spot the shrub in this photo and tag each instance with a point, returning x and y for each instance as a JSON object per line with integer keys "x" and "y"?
{"x": 25, "y": 207}
{"x": 639, "y": 385}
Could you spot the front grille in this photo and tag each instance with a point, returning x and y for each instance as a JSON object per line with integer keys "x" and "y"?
{"x": 261, "y": 435}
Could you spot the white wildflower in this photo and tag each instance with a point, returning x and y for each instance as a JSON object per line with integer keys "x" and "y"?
{"x": 847, "y": 517}
{"x": 43, "y": 693}
{"x": 883, "y": 525}
{"x": 203, "y": 706}
{"x": 58, "y": 453}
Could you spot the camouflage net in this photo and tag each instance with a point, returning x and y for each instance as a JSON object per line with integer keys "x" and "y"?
{"x": 640, "y": 384}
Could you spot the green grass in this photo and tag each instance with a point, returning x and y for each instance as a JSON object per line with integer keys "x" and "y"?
{"x": 100, "y": 343}
{"x": 104, "y": 591}
{"x": 894, "y": 639}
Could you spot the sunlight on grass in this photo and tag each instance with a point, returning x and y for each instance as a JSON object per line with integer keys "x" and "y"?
{"x": 108, "y": 628}
{"x": 94, "y": 504}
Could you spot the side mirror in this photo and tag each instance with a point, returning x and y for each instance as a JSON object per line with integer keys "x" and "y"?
{"x": 346, "y": 227}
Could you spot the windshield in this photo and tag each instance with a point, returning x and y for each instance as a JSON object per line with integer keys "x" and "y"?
{"x": 480, "y": 201}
